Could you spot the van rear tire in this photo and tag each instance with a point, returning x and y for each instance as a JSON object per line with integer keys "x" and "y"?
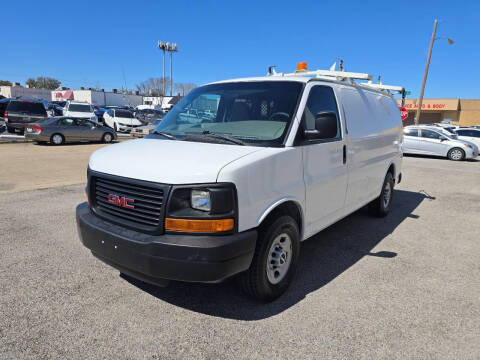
{"x": 380, "y": 207}
{"x": 278, "y": 246}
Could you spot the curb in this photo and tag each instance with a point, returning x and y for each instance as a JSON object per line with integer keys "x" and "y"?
{"x": 6, "y": 139}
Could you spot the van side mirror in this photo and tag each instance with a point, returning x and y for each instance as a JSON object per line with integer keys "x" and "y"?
{"x": 326, "y": 126}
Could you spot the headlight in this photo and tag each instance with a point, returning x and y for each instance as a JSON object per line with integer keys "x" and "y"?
{"x": 468, "y": 145}
{"x": 209, "y": 208}
{"x": 200, "y": 200}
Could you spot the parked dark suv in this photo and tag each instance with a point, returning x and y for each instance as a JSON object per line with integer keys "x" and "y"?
{"x": 3, "y": 106}
{"x": 20, "y": 112}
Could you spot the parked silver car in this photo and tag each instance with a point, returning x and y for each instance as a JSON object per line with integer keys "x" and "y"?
{"x": 425, "y": 140}
{"x": 58, "y": 130}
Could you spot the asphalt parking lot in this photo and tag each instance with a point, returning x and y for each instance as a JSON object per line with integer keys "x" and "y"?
{"x": 406, "y": 286}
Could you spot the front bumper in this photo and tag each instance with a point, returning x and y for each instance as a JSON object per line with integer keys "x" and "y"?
{"x": 156, "y": 258}
{"x": 471, "y": 153}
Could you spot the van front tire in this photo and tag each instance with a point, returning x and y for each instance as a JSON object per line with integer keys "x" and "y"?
{"x": 380, "y": 207}
{"x": 275, "y": 260}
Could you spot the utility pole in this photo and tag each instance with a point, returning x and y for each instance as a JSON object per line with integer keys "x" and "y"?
{"x": 420, "y": 99}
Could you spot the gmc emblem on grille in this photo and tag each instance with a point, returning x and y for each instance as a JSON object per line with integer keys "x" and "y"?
{"x": 121, "y": 201}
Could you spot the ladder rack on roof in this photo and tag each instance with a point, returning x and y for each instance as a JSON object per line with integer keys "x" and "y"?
{"x": 344, "y": 76}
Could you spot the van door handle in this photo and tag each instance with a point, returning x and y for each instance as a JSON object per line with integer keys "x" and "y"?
{"x": 344, "y": 154}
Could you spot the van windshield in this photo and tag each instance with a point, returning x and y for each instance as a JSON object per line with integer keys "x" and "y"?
{"x": 255, "y": 113}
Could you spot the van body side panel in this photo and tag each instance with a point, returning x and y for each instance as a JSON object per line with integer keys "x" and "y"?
{"x": 263, "y": 179}
{"x": 374, "y": 143}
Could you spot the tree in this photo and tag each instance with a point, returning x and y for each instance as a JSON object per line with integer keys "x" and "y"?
{"x": 43, "y": 83}
{"x": 184, "y": 88}
{"x": 5, "y": 83}
{"x": 154, "y": 86}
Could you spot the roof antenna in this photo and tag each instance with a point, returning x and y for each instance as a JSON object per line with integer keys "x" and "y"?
{"x": 271, "y": 70}
{"x": 340, "y": 64}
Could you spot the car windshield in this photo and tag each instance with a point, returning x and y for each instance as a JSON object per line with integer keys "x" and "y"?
{"x": 79, "y": 108}
{"x": 123, "y": 114}
{"x": 257, "y": 113}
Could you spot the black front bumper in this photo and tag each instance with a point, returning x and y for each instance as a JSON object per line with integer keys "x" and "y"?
{"x": 156, "y": 258}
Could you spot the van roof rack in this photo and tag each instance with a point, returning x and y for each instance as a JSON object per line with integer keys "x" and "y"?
{"x": 342, "y": 76}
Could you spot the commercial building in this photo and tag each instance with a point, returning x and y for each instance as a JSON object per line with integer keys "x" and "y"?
{"x": 463, "y": 112}
{"x": 98, "y": 97}
{"x": 165, "y": 102}
{"x": 91, "y": 96}
{"x": 19, "y": 91}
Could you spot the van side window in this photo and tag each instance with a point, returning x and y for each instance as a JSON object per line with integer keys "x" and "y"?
{"x": 320, "y": 99}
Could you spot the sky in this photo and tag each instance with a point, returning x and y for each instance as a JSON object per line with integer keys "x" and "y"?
{"x": 93, "y": 43}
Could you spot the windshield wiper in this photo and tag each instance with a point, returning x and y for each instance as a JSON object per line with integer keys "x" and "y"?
{"x": 219, "y": 136}
{"x": 167, "y": 135}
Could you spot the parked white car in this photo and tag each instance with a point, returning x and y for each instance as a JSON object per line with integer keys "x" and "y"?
{"x": 121, "y": 120}
{"x": 431, "y": 140}
{"x": 469, "y": 134}
{"x": 448, "y": 128}
{"x": 205, "y": 199}
{"x": 79, "y": 109}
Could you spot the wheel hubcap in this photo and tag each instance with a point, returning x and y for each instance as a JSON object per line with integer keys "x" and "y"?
{"x": 108, "y": 138}
{"x": 456, "y": 154}
{"x": 387, "y": 193}
{"x": 279, "y": 258}
{"x": 57, "y": 139}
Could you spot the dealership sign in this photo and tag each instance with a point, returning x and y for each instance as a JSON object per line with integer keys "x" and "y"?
{"x": 431, "y": 104}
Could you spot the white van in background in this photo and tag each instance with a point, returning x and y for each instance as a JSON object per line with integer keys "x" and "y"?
{"x": 79, "y": 109}
{"x": 277, "y": 159}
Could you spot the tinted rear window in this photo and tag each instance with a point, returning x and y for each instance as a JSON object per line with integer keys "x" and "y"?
{"x": 35, "y": 108}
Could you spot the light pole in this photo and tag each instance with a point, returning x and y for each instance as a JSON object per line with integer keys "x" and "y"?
{"x": 432, "y": 40}
{"x": 163, "y": 46}
{"x": 172, "y": 49}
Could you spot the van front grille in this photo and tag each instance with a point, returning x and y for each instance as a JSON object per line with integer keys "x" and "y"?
{"x": 136, "y": 204}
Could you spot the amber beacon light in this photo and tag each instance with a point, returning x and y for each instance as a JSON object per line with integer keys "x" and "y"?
{"x": 302, "y": 66}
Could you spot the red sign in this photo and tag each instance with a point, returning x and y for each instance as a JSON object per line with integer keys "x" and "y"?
{"x": 403, "y": 113}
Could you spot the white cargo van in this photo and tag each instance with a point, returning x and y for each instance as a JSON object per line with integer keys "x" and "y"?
{"x": 204, "y": 198}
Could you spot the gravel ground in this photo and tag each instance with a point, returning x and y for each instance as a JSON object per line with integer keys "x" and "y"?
{"x": 407, "y": 286}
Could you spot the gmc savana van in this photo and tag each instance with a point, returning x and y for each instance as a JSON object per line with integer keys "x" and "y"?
{"x": 204, "y": 198}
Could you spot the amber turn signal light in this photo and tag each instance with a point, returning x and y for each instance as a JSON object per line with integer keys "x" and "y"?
{"x": 199, "y": 226}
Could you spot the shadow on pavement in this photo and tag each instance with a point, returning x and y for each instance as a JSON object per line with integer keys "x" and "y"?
{"x": 73, "y": 143}
{"x": 322, "y": 258}
{"x": 437, "y": 157}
